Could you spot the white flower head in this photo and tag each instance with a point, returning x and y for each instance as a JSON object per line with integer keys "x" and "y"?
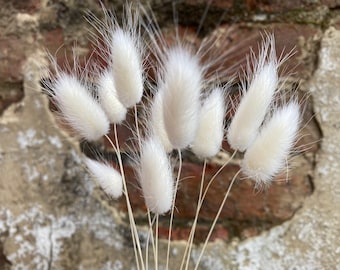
{"x": 268, "y": 155}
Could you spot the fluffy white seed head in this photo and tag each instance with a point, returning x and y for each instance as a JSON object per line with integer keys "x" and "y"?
{"x": 209, "y": 136}
{"x": 107, "y": 177}
{"x": 157, "y": 121}
{"x": 78, "y": 107}
{"x": 267, "y": 156}
{"x": 127, "y": 67}
{"x": 107, "y": 96}
{"x": 155, "y": 177}
{"x": 254, "y": 104}
{"x": 181, "y": 84}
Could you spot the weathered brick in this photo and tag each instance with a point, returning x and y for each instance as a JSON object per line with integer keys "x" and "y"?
{"x": 28, "y": 6}
{"x": 231, "y": 44}
{"x": 12, "y": 57}
{"x": 246, "y": 212}
{"x": 53, "y": 40}
{"x": 244, "y": 205}
{"x": 215, "y": 3}
{"x": 252, "y": 211}
{"x": 63, "y": 50}
{"x": 10, "y": 93}
{"x": 226, "y": 48}
{"x": 278, "y": 6}
{"x": 182, "y": 232}
{"x": 330, "y": 3}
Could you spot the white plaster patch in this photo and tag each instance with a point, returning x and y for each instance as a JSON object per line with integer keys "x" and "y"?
{"x": 117, "y": 265}
{"x": 105, "y": 233}
{"x": 175, "y": 251}
{"x": 260, "y": 17}
{"x": 89, "y": 184}
{"x": 37, "y": 104}
{"x": 55, "y": 140}
{"x": 39, "y": 238}
{"x": 210, "y": 259}
{"x": 28, "y": 139}
{"x": 75, "y": 156}
{"x": 31, "y": 172}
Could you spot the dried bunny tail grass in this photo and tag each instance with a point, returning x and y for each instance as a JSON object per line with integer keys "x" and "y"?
{"x": 155, "y": 176}
{"x": 107, "y": 96}
{"x": 268, "y": 154}
{"x": 107, "y": 177}
{"x": 157, "y": 121}
{"x": 78, "y": 107}
{"x": 210, "y": 133}
{"x": 181, "y": 83}
{"x": 256, "y": 101}
{"x": 127, "y": 67}
{"x": 120, "y": 47}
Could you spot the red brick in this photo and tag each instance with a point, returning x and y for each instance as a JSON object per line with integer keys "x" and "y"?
{"x": 231, "y": 44}
{"x": 10, "y": 93}
{"x": 28, "y": 6}
{"x": 125, "y": 134}
{"x": 62, "y": 51}
{"x": 277, "y": 5}
{"x": 226, "y": 48}
{"x": 310, "y": 134}
{"x": 330, "y": 3}
{"x": 181, "y": 232}
{"x": 226, "y": 4}
{"x": 243, "y": 202}
{"x": 53, "y": 40}
{"x": 12, "y": 57}
{"x": 246, "y": 211}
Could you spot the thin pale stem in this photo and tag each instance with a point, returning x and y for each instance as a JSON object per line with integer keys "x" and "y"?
{"x": 134, "y": 233}
{"x": 147, "y": 249}
{"x": 173, "y": 208}
{"x": 214, "y": 176}
{"x": 216, "y": 218}
{"x": 156, "y": 237}
{"x": 199, "y": 206}
{"x": 126, "y": 198}
{"x": 193, "y": 227}
{"x": 150, "y": 234}
{"x": 137, "y": 128}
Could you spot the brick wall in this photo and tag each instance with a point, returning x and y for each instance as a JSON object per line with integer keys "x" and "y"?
{"x": 232, "y": 26}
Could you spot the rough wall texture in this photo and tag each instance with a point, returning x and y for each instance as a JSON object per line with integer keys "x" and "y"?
{"x": 52, "y": 216}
